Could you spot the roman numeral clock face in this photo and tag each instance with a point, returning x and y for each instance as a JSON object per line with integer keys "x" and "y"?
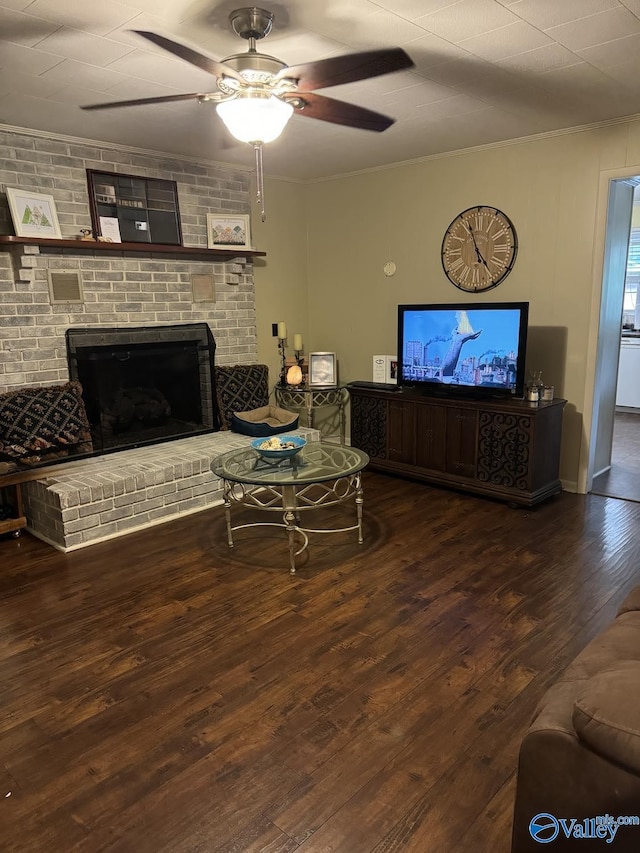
{"x": 479, "y": 249}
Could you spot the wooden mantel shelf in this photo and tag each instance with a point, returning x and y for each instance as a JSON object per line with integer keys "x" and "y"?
{"x": 7, "y": 241}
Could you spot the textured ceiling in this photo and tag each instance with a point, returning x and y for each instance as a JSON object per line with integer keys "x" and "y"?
{"x": 485, "y": 71}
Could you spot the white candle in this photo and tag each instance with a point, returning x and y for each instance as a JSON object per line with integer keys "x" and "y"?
{"x": 297, "y": 342}
{"x": 282, "y": 331}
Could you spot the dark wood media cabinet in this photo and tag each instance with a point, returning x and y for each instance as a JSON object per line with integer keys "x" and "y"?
{"x": 505, "y": 449}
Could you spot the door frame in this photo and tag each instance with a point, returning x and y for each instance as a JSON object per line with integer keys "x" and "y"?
{"x": 599, "y": 353}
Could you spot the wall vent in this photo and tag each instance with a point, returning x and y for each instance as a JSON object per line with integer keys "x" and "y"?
{"x": 203, "y": 288}
{"x": 65, "y": 286}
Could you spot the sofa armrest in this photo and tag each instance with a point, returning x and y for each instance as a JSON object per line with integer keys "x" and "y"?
{"x": 631, "y": 602}
{"x": 606, "y": 714}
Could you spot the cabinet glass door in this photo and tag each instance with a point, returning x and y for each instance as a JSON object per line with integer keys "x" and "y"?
{"x": 131, "y": 209}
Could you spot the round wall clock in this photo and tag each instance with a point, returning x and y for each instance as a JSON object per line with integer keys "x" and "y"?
{"x": 479, "y": 249}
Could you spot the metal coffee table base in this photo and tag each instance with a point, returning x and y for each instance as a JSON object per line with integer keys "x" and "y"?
{"x": 291, "y": 501}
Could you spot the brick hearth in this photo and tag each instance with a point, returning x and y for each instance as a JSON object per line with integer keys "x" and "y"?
{"x": 108, "y": 496}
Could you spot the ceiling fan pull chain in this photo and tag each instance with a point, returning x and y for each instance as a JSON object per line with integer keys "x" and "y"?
{"x": 257, "y": 147}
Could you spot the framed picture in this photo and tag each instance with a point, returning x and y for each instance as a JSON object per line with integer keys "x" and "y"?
{"x": 228, "y": 231}
{"x": 385, "y": 369}
{"x": 323, "y": 370}
{"x": 33, "y": 214}
{"x": 392, "y": 369}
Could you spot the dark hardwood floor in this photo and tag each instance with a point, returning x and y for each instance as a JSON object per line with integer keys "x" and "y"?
{"x": 163, "y": 694}
{"x": 622, "y": 480}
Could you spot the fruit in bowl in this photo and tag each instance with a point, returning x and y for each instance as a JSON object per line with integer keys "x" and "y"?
{"x": 279, "y": 446}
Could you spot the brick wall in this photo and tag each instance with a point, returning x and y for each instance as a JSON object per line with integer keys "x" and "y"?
{"x": 120, "y": 289}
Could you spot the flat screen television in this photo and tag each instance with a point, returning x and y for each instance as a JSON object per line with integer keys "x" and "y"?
{"x": 471, "y": 350}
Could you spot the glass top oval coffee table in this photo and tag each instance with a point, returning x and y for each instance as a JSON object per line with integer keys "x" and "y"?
{"x": 320, "y": 475}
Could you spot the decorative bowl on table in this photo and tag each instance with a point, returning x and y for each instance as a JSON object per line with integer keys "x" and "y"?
{"x": 279, "y": 446}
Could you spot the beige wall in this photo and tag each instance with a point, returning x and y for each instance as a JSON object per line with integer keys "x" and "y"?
{"x": 327, "y": 243}
{"x": 551, "y": 188}
{"x": 281, "y": 278}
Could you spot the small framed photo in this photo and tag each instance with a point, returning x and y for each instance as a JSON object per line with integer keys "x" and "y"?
{"x": 385, "y": 369}
{"x": 33, "y": 214}
{"x": 323, "y": 370}
{"x": 228, "y": 231}
{"x": 392, "y": 369}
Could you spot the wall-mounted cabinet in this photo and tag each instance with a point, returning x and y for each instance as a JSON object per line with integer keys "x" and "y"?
{"x": 133, "y": 209}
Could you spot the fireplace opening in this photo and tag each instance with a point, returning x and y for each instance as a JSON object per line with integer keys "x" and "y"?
{"x": 144, "y": 385}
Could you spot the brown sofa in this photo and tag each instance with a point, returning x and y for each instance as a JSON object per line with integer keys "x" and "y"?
{"x": 580, "y": 757}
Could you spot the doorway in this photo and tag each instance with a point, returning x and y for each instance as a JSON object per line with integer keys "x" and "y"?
{"x": 622, "y": 479}
{"x": 617, "y": 453}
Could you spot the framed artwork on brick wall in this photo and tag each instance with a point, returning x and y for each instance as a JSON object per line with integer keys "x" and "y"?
{"x": 228, "y": 231}
{"x": 33, "y": 214}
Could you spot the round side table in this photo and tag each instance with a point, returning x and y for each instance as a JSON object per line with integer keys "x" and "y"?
{"x": 311, "y": 399}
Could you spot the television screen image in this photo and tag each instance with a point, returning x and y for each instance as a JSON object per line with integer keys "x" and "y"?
{"x": 479, "y": 347}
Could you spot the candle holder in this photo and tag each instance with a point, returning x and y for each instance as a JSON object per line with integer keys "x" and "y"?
{"x": 283, "y": 367}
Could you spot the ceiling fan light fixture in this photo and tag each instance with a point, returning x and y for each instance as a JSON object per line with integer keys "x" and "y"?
{"x": 255, "y": 117}
{"x": 257, "y": 94}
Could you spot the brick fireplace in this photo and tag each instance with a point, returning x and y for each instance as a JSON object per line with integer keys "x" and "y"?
{"x": 120, "y": 291}
{"x": 144, "y": 385}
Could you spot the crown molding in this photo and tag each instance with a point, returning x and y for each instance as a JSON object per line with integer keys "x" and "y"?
{"x": 518, "y": 140}
{"x": 249, "y": 169}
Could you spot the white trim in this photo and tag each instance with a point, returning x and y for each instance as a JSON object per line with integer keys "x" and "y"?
{"x": 569, "y": 486}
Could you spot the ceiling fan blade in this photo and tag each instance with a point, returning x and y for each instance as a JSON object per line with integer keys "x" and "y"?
{"x": 218, "y": 69}
{"x": 338, "y": 112}
{"x": 165, "y": 99}
{"x": 346, "y": 69}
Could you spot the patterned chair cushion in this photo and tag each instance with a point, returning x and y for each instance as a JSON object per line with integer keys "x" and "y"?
{"x": 38, "y": 424}
{"x": 240, "y": 388}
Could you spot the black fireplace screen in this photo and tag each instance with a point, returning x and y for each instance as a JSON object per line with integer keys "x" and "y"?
{"x": 144, "y": 385}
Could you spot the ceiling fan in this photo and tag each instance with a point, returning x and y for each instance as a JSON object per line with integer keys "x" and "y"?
{"x": 256, "y": 94}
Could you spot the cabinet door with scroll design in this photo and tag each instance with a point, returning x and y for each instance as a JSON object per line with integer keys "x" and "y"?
{"x": 369, "y": 425}
{"x": 504, "y": 449}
